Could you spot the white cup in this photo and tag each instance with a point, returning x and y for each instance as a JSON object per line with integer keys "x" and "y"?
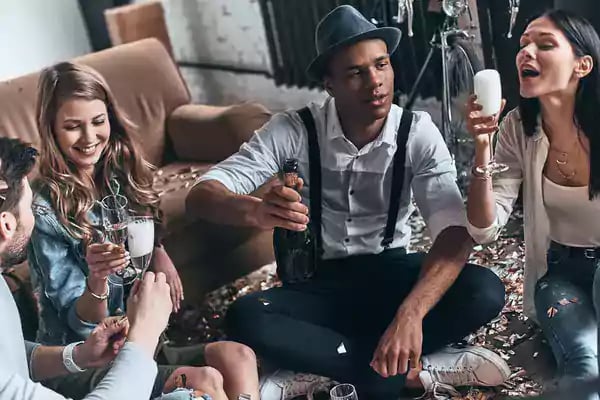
{"x": 489, "y": 91}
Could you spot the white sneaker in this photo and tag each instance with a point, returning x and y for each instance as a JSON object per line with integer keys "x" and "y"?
{"x": 466, "y": 366}
{"x": 282, "y": 385}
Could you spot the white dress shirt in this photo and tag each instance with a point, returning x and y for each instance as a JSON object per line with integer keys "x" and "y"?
{"x": 356, "y": 183}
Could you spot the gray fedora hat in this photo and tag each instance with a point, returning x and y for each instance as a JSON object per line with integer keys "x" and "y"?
{"x": 343, "y": 26}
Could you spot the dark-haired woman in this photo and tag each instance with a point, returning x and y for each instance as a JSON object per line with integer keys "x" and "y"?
{"x": 551, "y": 143}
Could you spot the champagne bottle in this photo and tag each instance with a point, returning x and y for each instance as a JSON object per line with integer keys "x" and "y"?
{"x": 295, "y": 252}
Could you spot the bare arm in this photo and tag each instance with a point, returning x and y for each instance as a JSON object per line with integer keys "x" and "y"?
{"x": 444, "y": 262}
{"x": 281, "y": 206}
{"x": 439, "y": 200}
{"x": 130, "y": 377}
{"x": 149, "y": 307}
{"x": 402, "y": 341}
{"x": 481, "y": 205}
{"x": 46, "y": 362}
{"x": 103, "y": 259}
{"x": 100, "y": 348}
{"x": 132, "y": 373}
{"x": 224, "y": 194}
{"x": 212, "y": 201}
{"x": 88, "y": 307}
{"x": 491, "y": 199}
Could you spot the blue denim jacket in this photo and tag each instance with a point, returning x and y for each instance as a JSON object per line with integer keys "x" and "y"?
{"x": 59, "y": 270}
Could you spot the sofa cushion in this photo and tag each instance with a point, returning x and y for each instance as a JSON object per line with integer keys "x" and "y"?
{"x": 210, "y": 133}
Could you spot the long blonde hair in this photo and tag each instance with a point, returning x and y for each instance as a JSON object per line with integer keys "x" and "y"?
{"x": 121, "y": 159}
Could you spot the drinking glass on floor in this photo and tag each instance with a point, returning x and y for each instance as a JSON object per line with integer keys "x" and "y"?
{"x": 345, "y": 391}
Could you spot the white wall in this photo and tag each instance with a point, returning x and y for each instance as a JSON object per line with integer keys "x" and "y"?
{"x": 231, "y": 33}
{"x": 226, "y": 32}
{"x": 37, "y": 33}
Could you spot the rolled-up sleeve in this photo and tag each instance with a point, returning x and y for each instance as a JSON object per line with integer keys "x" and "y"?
{"x": 506, "y": 186}
{"x": 30, "y": 348}
{"x": 434, "y": 177}
{"x": 56, "y": 267}
{"x": 260, "y": 158}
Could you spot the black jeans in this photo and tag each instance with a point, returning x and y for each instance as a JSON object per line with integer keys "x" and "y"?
{"x": 331, "y": 325}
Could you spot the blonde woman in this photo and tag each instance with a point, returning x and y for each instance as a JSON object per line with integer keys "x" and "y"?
{"x": 87, "y": 142}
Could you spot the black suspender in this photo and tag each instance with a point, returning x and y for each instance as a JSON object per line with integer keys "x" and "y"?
{"x": 314, "y": 159}
{"x": 314, "y": 162}
{"x": 397, "y": 177}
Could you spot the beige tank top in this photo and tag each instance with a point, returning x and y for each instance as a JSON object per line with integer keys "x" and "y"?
{"x": 574, "y": 219}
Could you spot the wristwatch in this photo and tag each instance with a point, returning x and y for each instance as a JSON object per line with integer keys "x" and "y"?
{"x": 68, "y": 361}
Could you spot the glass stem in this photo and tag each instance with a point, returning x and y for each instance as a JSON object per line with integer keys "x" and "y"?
{"x": 491, "y": 149}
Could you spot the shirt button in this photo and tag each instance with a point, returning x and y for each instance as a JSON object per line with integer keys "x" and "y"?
{"x": 347, "y": 240}
{"x": 349, "y": 220}
{"x": 351, "y": 192}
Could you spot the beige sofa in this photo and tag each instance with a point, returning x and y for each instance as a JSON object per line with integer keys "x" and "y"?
{"x": 180, "y": 138}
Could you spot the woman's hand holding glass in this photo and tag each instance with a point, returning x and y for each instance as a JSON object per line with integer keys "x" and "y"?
{"x": 104, "y": 259}
{"x": 482, "y": 129}
{"x": 114, "y": 221}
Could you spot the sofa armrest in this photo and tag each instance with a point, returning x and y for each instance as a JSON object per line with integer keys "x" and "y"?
{"x": 213, "y": 133}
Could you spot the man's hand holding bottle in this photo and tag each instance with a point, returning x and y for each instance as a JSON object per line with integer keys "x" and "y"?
{"x": 282, "y": 207}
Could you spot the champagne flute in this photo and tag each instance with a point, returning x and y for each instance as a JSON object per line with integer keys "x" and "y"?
{"x": 345, "y": 391}
{"x": 489, "y": 95}
{"x": 114, "y": 221}
{"x": 140, "y": 242}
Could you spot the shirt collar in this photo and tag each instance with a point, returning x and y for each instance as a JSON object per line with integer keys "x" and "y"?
{"x": 387, "y": 134}
{"x": 334, "y": 127}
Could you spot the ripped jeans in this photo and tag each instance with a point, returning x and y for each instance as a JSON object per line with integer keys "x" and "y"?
{"x": 567, "y": 300}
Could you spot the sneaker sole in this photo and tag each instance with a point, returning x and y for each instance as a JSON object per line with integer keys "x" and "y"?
{"x": 489, "y": 356}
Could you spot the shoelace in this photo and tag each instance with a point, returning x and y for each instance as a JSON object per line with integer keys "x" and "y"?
{"x": 439, "y": 391}
{"x": 458, "y": 376}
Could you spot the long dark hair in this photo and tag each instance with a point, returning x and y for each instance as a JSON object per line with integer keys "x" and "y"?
{"x": 585, "y": 41}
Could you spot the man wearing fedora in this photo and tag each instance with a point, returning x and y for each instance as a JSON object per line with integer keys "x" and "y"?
{"x": 372, "y": 315}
